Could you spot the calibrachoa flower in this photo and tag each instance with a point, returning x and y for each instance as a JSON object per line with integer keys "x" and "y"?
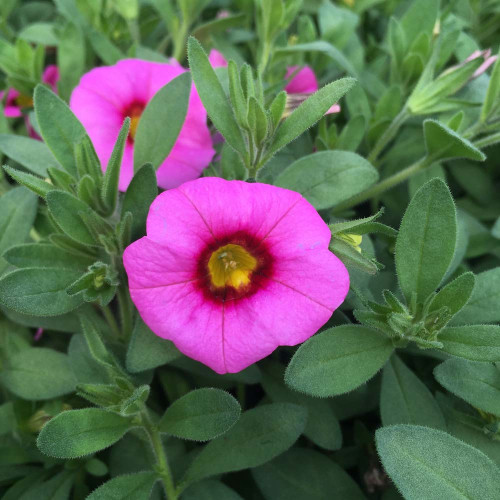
{"x": 15, "y": 101}
{"x": 301, "y": 86}
{"x": 105, "y": 96}
{"x": 230, "y": 270}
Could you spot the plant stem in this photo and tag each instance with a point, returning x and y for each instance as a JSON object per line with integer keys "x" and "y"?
{"x": 383, "y": 186}
{"x": 111, "y": 320}
{"x": 487, "y": 141}
{"x": 389, "y": 134}
{"x": 161, "y": 458}
{"x": 126, "y": 310}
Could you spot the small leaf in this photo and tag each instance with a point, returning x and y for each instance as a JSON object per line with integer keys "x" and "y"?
{"x": 210, "y": 489}
{"x": 76, "y": 433}
{"x": 112, "y": 175}
{"x": 30, "y": 153}
{"x": 431, "y": 464}
{"x": 201, "y": 415}
{"x": 260, "y": 435}
{"x": 338, "y": 360}
{"x": 302, "y": 474}
{"x": 426, "y": 241}
{"x": 32, "y": 182}
{"x": 18, "y": 209}
{"x": 213, "y": 96}
{"x": 39, "y": 373}
{"x": 39, "y": 292}
{"x": 404, "y": 398}
{"x": 59, "y": 127}
{"x": 140, "y": 193}
{"x": 443, "y": 143}
{"x": 146, "y": 350}
{"x": 482, "y": 306}
{"x": 309, "y": 112}
{"x": 493, "y": 93}
{"x": 65, "y": 209}
{"x": 473, "y": 342}
{"x": 328, "y": 177}
{"x": 153, "y": 140}
{"x": 136, "y": 486}
{"x": 476, "y": 383}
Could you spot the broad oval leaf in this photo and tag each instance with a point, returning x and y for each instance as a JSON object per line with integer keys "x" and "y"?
{"x": 210, "y": 490}
{"x": 161, "y": 122}
{"x": 201, "y": 415}
{"x": 59, "y": 127}
{"x": 30, "y": 153}
{"x": 426, "y": 241}
{"x": 477, "y": 383}
{"x": 431, "y": 464}
{"x": 260, "y": 435}
{"x": 39, "y": 291}
{"x": 328, "y": 177}
{"x": 302, "y": 474}
{"x": 404, "y": 398}
{"x": 126, "y": 487}
{"x": 76, "y": 433}
{"x": 338, "y": 360}
{"x": 39, "y": 373}
{"x": 473, "y": 342}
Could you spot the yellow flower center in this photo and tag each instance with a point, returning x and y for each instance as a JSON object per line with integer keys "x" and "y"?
{"x": 135, "y": 113}
{"x": 24, "y": 101}
{"x": 231, "y": 265}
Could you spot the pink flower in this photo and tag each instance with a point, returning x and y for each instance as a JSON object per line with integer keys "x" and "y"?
{"x": 217, "y": 60}
{"x": 230, "y": 270}
{"x": 106, "y": 95}
{"x": 301, "y": 86}
{"x": 15, "y": 101}
{"x": 38, "y": 334}
{"x": 488, "y": 60}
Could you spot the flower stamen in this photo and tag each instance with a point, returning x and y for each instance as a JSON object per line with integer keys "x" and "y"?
{"x": 231, "y": 265}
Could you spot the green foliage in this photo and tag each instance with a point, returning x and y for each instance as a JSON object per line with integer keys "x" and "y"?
{"x": 137, "y": 486}
{"x": 426, "y": 240}
{"x": 201, "y": 415}
{"x": 429, "y": 463}
{"x": 338, "y": 360}
{"x": 76, "y": 433}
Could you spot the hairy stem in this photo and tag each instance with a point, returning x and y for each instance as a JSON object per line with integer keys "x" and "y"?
{"x": 382, "y": 186}
{"x": 111, "y": 320}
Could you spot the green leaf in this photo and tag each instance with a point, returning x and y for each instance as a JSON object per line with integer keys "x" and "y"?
{"x": 443, "y": 143}
{"x": 70, "y": 59}
{"x": 404, "y": 399}
{"x": 260, "y": 435}
{"x": 338, "y": 360}
{"x": 127, "y": 487}
{"x": 309, "y": 112}
{"x": 59, "y": 127}
{"x": 482, "y": 307}
{"x": 153, "y": 140}
{"x": 213, "y": 96}
{"x": 322, "y": 427}
{"x": 455, "y": 295}
{"x": 201, "y": 415}
{"x": 210, "y": 490}
{"x": 328, "y": 177}
{"x": 352, "y": 134}
{"x": 45, "y": 255}
{"x": 474, "y": 342}
{"x": 76, "y": 433}
{"x": 426, "y": 241}
{"x": 476, "y": 383}
{"x": 302, "y": 474}
{"x": 39, "y": 292}
{"x": 17, "y": 214}
{"x": 39, "y": 373}
{"x": 146, "y": 350}
{"x": 493, "y": 93}
{"x": 140, "y": 193}
{"x": 109, "y": 193}
{"x": 66, "y": 209}
{"x": 30, "y": 153}
{"x": 32, "y": 182}
{"x": 431, "y": 464}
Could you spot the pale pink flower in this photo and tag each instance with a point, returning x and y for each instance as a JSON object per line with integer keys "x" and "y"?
{"x": 217, "y": 60}
{"x": 488, "y": 60}
{"x": 108, "y": 94}
{"x": 231, "y": 270}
